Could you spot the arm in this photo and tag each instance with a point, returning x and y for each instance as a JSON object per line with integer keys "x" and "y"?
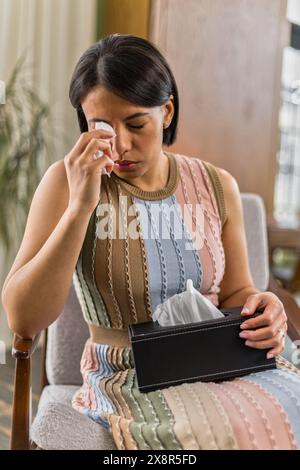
{"x": 267, "y": 331}
{"x": 38, "y": 283}
{"x": 37, "y": 286}
{"x": 237, "y": 283}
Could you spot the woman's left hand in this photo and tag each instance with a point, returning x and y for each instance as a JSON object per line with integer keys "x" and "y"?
{"x": 268, "y": 330}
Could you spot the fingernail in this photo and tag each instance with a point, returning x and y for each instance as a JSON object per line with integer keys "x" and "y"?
{"x": 270, "y": 355}
{"x": 243, "y": 334}
{"x": 245, "y": 310}
{"x": 247, "y": 343}
{"x": 244, "y": 325}
{"x": 110, "y": 135}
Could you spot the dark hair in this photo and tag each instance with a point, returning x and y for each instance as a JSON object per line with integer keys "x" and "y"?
{"x": 130, "y": 67}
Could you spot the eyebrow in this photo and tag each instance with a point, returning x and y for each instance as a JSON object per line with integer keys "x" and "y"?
{"x": 132, "y": 116}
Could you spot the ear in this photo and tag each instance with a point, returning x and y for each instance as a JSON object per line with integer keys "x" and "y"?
{"x": 169, "y": 109}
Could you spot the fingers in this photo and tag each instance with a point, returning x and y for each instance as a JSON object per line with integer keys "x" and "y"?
{"x": 256, "y": 301}
{"x": 103, "y": 160}
{"x": 276, "y": 343}
{"x": 86, "y": 137}
{"x": 269, "y": 316}
{"x": 86, "y": 161}
{"x": 90, "y": 159}
{"x": 94, "y": 146}
{"x": 278, "y": 349}
{"x": 264, "y": 332}
{"x": 268, "y": 330}
{"x": 273, "y": 310}
{"x": 253, "y": 302}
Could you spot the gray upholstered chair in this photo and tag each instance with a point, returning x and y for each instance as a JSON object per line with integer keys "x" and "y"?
{"x": 57, "y": 425}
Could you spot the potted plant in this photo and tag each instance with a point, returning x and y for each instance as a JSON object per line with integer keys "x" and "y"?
{"x": 23, "y": 156}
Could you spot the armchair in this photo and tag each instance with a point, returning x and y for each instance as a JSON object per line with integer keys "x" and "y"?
{"x": 57, "y": 425}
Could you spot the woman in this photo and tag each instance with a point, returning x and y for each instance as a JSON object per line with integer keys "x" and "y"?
{"x": 106, "y": 234}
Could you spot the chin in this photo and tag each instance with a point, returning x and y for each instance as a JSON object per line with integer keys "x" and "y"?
{"x": 133, "y": 172}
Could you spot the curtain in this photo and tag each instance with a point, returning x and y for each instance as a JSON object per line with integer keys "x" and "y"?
{"x": 53, "y": 34}
{"x": 287, "y": 190}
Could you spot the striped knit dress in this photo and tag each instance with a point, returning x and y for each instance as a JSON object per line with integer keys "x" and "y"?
{"x": 140, "y": 248}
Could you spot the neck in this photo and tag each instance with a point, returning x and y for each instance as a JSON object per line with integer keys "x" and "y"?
{"x": 156, "y": 177}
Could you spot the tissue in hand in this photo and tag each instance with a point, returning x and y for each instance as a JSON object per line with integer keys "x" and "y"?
{"x": 188, "y": 307}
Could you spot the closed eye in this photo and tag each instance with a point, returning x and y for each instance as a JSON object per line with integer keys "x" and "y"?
{"x": 137, "y": 127}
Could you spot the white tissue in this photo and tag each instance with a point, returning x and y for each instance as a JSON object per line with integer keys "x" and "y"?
{"x": 100, "y": 153}
{"x": 188, "y": 307}
{"x": 105, "y": 127}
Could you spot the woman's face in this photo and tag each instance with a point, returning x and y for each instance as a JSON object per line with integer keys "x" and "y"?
{"x": 139, "y": 129}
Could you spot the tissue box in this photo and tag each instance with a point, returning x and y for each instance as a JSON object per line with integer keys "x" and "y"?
{"x": 204, "y": 351}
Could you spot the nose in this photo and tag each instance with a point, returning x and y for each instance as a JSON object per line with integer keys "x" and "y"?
{"x": 120, "y": 144}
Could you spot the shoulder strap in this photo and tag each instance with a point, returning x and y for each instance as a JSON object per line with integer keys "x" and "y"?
{"x": 218, "y": 189}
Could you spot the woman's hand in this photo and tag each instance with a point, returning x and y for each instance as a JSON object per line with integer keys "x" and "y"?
{"x": 268, "y": 330}
{"x": 84, "y": 171}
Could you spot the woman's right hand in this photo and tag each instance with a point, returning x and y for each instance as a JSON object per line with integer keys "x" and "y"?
{"x": 84, "y": 172}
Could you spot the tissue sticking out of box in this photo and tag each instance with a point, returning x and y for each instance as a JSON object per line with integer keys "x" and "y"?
{"x": 189, "y": 306}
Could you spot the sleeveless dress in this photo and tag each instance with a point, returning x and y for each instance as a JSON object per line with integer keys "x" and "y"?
{"x": 140, "y": 248}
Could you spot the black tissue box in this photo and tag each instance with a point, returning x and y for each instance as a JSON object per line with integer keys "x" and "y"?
{"x": 204, "y": 351}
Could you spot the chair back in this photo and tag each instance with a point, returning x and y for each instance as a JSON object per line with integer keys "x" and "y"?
{"x": 65, "y": 341}
{"x": 257, "y": 239}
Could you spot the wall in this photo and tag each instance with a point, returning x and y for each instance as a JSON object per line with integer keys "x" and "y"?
{"x": 226, "y": 58}
{"x": 125, "y": 17}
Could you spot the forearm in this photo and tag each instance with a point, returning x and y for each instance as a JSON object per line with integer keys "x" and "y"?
{"x": 35, "y": 295}
{"x": 238, "y": 298}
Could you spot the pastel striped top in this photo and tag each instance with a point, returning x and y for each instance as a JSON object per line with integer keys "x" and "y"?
{"x": 142, "y": 246}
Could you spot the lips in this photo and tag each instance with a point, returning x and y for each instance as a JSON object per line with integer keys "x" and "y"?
{"x": 124, "y": 162}
{"x": 125, "y": 165}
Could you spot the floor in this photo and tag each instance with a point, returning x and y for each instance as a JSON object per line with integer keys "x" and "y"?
{"x": 6, "y": 391}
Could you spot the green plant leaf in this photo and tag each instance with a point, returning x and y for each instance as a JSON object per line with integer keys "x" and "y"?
{"x": 24, "y": 145}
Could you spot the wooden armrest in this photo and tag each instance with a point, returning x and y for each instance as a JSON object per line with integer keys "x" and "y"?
{"x": 24, "y": 348}
{"x": 292, "y": 310}
{"x": 21, "y": 416}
